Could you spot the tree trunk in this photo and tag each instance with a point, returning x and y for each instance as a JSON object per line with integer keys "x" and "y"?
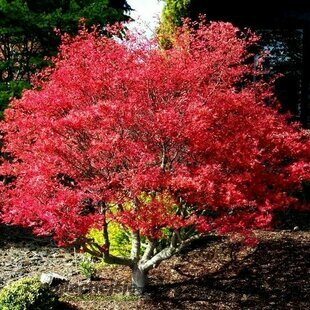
{"x": 139, "y": 279}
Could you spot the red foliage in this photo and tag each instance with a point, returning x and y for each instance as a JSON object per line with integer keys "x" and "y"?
{"x": 184, "y": 133}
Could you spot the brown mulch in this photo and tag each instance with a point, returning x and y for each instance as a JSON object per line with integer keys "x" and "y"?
{"x": 216, "y": 274}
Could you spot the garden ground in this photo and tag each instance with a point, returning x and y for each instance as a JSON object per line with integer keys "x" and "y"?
{"x": 216, "y": 274}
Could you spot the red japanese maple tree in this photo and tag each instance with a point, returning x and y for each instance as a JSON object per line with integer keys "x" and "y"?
{"x": 171, "y": 144}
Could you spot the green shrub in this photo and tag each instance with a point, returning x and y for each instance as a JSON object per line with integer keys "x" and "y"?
{"x": 120, "y": 243}
{"x": 27, "y": 294}
{"x": 87, "y": 268}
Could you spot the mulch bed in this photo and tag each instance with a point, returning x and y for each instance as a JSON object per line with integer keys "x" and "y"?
{"x": 215, "y": 275}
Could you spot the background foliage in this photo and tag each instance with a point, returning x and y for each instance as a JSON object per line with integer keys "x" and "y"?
{"x": 27, "y": 36}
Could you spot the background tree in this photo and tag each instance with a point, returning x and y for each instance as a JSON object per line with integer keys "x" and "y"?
{"x": 171, "y": 19}
{"x": 170, "y": 144}
{"x": 27, "y": 34}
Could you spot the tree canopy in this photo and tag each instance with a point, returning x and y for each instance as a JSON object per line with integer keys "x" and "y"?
{"x": 27, "y": 35}
{"x": 170, "y": 144}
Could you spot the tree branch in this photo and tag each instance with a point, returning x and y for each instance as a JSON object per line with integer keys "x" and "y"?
{"x": 105, "y": 231}
{"x": 168, "y": 252}
{"x": 135, "y": 246}
{"x": 149, "y": 250}
{"x": 158, "y": 258}
{"x": 163, "y": 157}
{"x": 101, "y": 252}
{"x": 111, "y": 259}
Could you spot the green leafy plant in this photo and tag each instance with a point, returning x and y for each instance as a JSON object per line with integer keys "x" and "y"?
{"x": 27, "y": 293}
{"x": 120, "y": 243}
{"x": 87, "y": 268}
